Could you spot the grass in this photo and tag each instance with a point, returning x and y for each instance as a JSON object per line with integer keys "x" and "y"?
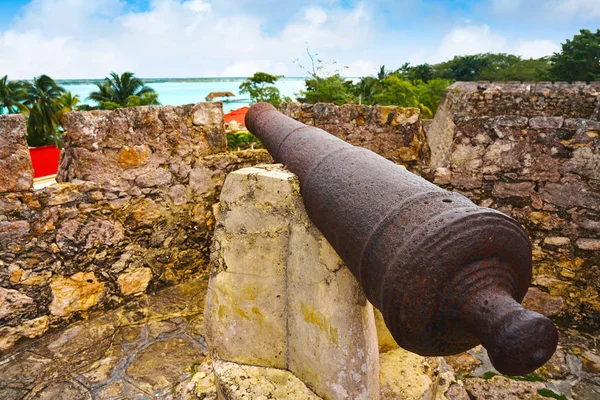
{"x": 550, "y": 394}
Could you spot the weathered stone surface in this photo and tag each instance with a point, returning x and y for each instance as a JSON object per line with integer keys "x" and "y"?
{"x": 16, "y": 172}
{"x": 280, "y": 297}
{"x": 134, "y": 281}
{"x": 542, "y": 302}
{"x": 64, "y": 391}
{"x": 144, "y": 350}
{"x": 500, "y": 387}
{"x": 159, "y": 365}
{"x": 13, "y": 303}
{"x": 34, "y": 328}
{"x": 78, "y": 292}
{"x": 132, "y": 144}
{"x": 238, "y": 382}
{"x": 131, "y": 238}
{"x": 407, "y": 375}
{"x": 589, "y": 244}
{"x": 543, "y": 172}
{"x": 393, "y": 132}
{"x": 522, "y": 189}
{"x": 13, "y": 230}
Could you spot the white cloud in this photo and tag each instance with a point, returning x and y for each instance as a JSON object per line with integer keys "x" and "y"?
{"x": 360, "y": 68}
{"x": 197, "y": 6}
{"x": 536, "y": 48}
{"x": 470, "y": 39}
{"x": 84, "y": 39}
{"x": 316, "y": 15}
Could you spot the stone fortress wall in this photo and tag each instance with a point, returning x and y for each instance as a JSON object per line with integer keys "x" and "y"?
{"x": 530, "y": 150}
{"x": 135, "y": 207}
{"x": 133, "y": 212}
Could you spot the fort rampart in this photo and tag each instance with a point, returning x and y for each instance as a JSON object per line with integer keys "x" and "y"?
{"x": 134, "y": 209}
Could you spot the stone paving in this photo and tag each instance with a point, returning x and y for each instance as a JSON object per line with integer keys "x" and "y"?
{"x": 154, "y": 348}
{"x": 148, "y": 349}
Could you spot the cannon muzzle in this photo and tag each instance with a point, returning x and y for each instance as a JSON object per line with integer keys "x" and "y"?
{"x": 446, "y": 274}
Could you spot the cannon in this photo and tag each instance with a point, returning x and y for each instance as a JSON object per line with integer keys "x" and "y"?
{"x": 446, "y": 274}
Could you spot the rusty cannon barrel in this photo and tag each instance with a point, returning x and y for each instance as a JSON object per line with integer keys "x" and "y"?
{"x": 446, "y": 274}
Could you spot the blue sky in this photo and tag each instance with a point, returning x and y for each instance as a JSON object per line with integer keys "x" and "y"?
{"x": 189, "y": 38}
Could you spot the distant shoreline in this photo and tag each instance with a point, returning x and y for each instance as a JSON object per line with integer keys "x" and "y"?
{"x": 181, "y": 80}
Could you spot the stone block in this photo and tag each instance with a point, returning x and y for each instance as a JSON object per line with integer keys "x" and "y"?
{"x": 134, "y": 145}
{"x": 280, "y": 297}
{"x": 16, "y": 171}
{"x": 251, "y": 382}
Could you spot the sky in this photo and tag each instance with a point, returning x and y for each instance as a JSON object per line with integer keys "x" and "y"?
{"x": 69, "y": 39}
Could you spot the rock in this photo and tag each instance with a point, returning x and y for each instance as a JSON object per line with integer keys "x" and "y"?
{"x": 16, "y": 171}
{"x": 557, "y": 241}
{"x": 13, "y": 303}
{"x": 408, "y": 376}
{"x": 463, "y": 364}
{"x": 13, "y": 230}
{"x": 280, "y": 297}
{"x": 385, "y": 340}
{"x": 178, "y": 194}
{"x": 201, "y": 180}
{"x": 9, "y": 336}
{"x": 135, "y": 156}
{"x": 546, "y": 122}
{"x": 237, "y": 382}
{"x": 586, "y": 390}
{"x": 162, "y": 363}
{"x": 134, "y": 280}
{"x": 64, "y": 391}
{"x": 502, "y": 388}
{"x": 156, "y": 177}
{"x": 443, "y": 176}
{"x": 78, "y": 292}
{"x": 521, "y": 189}
{"x": 543, "y": 303}
{"x": 589, "y": 244}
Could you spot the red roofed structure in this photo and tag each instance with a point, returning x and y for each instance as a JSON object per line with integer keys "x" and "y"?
{"x": 238, "y": 116}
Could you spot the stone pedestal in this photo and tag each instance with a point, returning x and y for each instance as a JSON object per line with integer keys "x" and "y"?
{"x": 281, "y": 301}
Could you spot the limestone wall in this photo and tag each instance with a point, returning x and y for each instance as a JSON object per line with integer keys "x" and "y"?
{"x": 544, "y": 172}
{"x": 134, "y": 212}
{"x": 395, "y": 133}
{"x": 529, "y": 99}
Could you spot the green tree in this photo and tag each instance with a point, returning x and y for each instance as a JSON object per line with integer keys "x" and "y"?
{"x": 66, "y": 103}
{"x": 398, "y": 92}
{"x": 421, "y": 72}
{"x": 329, "y": 89}
{"x": 42, "y": 97}
{"x": 261, "y": 87}
{"x": 125, "y": 90}
{"x": 12, "y": 95}
{"x": 429, "y": 95}
{"x": 462, "y": 68}
{"x": 579, "y": 59}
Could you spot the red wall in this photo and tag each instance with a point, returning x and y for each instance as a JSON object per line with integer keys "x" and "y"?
{"x": 44, "y": 160}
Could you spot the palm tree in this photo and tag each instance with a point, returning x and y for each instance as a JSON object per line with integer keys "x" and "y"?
{"x": 12, "y": 95}
{"x": 41, "y": 97}
{"x": 123, "y": 90}
{"x": 66, "y": 103}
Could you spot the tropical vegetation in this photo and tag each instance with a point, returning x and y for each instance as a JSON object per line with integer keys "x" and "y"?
{"x": 125, "y": 90}
{"x": 45, "y": 103}
{"x": 261, "y": 87}
{"x": 424, "y": 85}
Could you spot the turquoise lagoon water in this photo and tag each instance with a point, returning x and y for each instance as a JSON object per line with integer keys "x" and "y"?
{"x": 176, "y": 92}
